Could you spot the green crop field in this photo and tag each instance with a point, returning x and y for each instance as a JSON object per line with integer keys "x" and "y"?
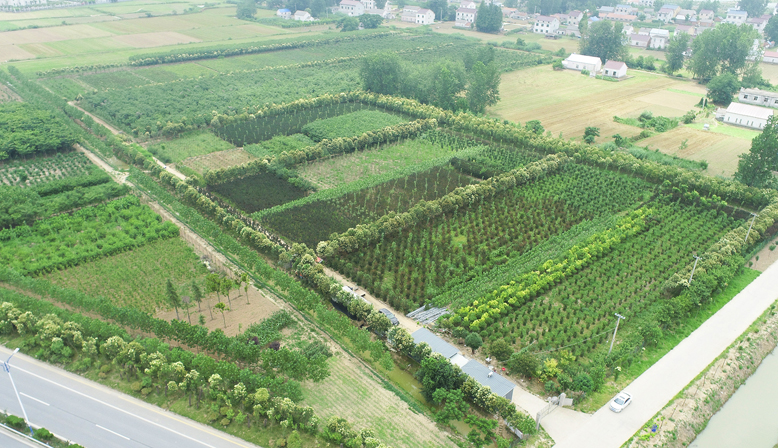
{"x": 191, "y": 144}
{"x": 137, "y": 278}
{"x": 350, "y": 125}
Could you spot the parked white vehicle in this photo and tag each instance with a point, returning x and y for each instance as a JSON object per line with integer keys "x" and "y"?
{"x": 621, "y": 401}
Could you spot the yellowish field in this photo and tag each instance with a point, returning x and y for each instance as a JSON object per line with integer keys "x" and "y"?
{"x": 51, "y": 34}
{"x": 351, "y": 392}
{"x": 158, "y": 39}
{"x": 12, "y": 52}
{"x": 220, "y": 159}
{"x": 567, "y": 102}
{"x": 770, "y": 72}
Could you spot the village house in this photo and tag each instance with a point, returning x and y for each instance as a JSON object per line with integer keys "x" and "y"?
{"x": 736, "y": 17}
{"x": 284, "y": 13}
{"x": 520, "y": 15}
{"x": 754, "y": 117}
{"x": 508, "y": 12}
{"x": 758, "y": 97}
{"x": 574, "y": 17}
{"x": 352, "y": 8}
{"x": 705, "y": 14}
{"x": 561, "y": 17}
{"x": 303, "y": 16}
{"x": 686, "y": 14}
{"x": 684, "y": 29}
{"x": 606, "y": 10}
{"x": 659, "y": 38}
{"x": 465, "y": 17}
{"x": 625, "y": 9}
{"x": 639, "y": 40}
{"x": 758, "y": 23}
{"x": 648, "y": 3}
{"x": 546, "y": 25}
{"x": 628, "y": 29}
{"x": 425, "y": 17}
{"x": 409, "y": 14}
{"x": 580, "y": 62}
{"x": 770, "y": 57}
{"x": 571, "y": 30}
{"x": 614, "y": 69}
{"x": 665, "y": 14}
{"x": 617, "y": 17}
{"x": 369, "y": 4}
{"x": 644, "y": 31}
{"x": 468, "y": 4}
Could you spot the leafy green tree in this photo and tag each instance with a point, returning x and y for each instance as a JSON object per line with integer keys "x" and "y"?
{"x": 18, "y": 206}
{"x": 755, "y": 167}
{"x": 453, "y": 405}
{"x": 675, "y": 49}
{"x": 246, "y": 9}
{"x": 378, "y": 322}
{"x": 484, "y": 86}
{"x": 318, "y": 8}
{"x": 439, "y": 7}
{"x": 583, "y": 382}
{"x": 448, "y": 80}
{"x": 221, "y": 307}
{"x": 754, "y": 8}
{"x": 348, "y": 24}
{"x": 370, "y": 21}
{"x": 474, "y": 341}
{"x": 225, "y": 286}
{"x": 605, "y": 41}
{"x": 197, "y": 294}
{"x": 382, "y": 73}
{"x": 500, "y": 350}
{"x": 482, "y": 431}
{"x": 172, "y": 296}
{"x": 244, "y": 278}
{"x": 534, "y": 126}
{"x": 436, "y": 372}
{"x": 489, "y": 18}
{"x": 590, "y": 133}
{"x": 524, "y": 363}
{"x": 583, "y": 25}
{"x": 771, "y": 29}
{"x": 722, "y": 87}
{"x": 26, "y": 130}
{"x": 721, "y": 49}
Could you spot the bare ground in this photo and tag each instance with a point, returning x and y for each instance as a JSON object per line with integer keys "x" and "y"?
{"x": 686, "y": 416}
{"x": 766, "y": 257}
{"x": 219, "y": 159}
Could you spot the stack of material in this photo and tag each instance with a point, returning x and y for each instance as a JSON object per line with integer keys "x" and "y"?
{"x": 427, "y": 316}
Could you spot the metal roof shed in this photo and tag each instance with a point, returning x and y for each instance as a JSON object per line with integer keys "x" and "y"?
{"x": 497, "y": 383}
{"x": 390, "y": 316}
{"x": 436, "y": 343}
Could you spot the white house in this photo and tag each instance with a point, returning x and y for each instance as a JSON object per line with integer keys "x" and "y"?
{"x": 684, "y": 29}
{"x": 468, "y": 4}
{"x": 665, "y": 14}
{"x": 303, "y": 16}
{"x": 758, "y": 97}
{"x": 770, "y": 57}
{"x": 574, "y": 17}
{"x": 352, "y": 8}
{"x": 581, "y": 62}
{"x": 639, "y": 40}
{"x": 465, "y": 17}
{"x": 614, "y": 69}
{"x": 606, "y": 9}
{"x": 546, "y": 25}
{"x": 618, "y": 17}
{"x": 628, "y": 29}
{"x": 736, "y": 17}
{"x": 368, "y": 4}
{"x": 659, "y": 38}
{"x": 648, "y": 3}
{"x": 705, "y": 14}
{"x": 625, "y": 9}
{"x": 758, "y": 23}
{"x": 747, "y": 115}
{"x": 425, "y": 17}
{"x": 686, "y": 14}
{"x": 284, "y": 13}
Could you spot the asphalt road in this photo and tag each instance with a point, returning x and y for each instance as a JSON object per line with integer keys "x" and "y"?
{"x": 96, "y": 416}
{"x": 652, "y": 390}
{"x": 10, "y": 440}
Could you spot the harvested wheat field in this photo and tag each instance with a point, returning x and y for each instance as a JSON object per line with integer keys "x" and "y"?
{"x": 52, "y": 34}
{"x": 216, "y": 160}
{"x": 566, "y": 101}
{"x": 719, "y": 150}
{"x": 12, "y": 52}
{"x": 147, "y": 40}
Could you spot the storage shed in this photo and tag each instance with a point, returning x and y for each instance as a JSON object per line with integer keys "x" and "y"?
{"x": 436, "y": 343}
{"x": 754, "y": 117}
{"x": 580, "y": 62}
{"x": 485, "y": 377}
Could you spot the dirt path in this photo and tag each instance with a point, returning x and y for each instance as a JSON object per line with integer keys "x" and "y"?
{"x": 766, "y": 257}
{"x": 405, "y": 322}
{"x": 115, "y": 131}
{"x": 118, "y": 176}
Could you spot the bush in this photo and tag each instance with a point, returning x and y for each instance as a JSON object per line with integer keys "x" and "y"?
{"x": 43, "y": 434}
{"x": 585, "y": 72}
{"x": 15, "y": 422}
{"x": 500, "y": 350}
{"x": 583, "y": 382}
{"x": 550, "y": 387}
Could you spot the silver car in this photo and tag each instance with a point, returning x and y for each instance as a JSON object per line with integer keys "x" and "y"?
{"x": 621, "y": 401}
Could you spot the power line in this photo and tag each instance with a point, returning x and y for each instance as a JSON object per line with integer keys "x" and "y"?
{"x": 575, "y": 343}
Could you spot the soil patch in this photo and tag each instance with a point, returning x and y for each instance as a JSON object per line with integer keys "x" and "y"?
{"x": 12, "y": 52}
{"x": 159, "y": 39}
{"x": 217, "y": 160}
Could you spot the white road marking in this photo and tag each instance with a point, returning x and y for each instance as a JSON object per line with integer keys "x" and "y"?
{"x": 33, "y": 398}
{"x": 116, "y": 408}
{"x": 113, "y": 432}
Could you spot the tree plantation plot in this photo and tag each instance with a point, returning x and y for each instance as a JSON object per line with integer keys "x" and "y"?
{"x": 43, "y": 170}
{"x": 279, "y": 144}
{"x": 258, "y": 192}
{"x": 191, "y": 144}
{"x": 417, "y": 264}
{"x": 27, "y": 130}
{"x": 87, "y": 234}
{"x": 349, "y": 125}
{"x": 137, "y": 278}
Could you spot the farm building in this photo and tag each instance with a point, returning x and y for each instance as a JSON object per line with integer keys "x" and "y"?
{"x": 736, "y": 17}
{"x": 546, "y": 25}
{"x": 659, "y": 38}
{"x": 486, "y": 377}
{"x": 352, "y": 8}
{"x": 639, "y": 40}
{"x": 425, "y": 17}
{"x": 770, "y": 57}
{"x": 758, "y": 97}
{"x": 614, "y": 69}
{"x": 438, "y": 345}
{"x": 284, "y": 13}
{"x": 705, "y": 14}
{"x": 626, "y": 9}
{"x": 303, "y": 16}
{"x": 409, "y": 14}
{"x": 754, "y": 117}
{"x": 665, "y": 14}
{"x": 389, "y": 315}
{"x": 572, "y": 30}
{"x": 606, "y": 10}
{"x": 758, "y": 23}
{"x": 574, "y": 18}
{"x": 465, "y": 16}
{"x": 581, "y": 62}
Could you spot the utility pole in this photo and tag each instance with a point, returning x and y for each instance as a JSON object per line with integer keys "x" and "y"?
{"x": 749, "y": 227}
{"x": 619, "y": 316}
{"x": 7, "y": 368}
{"x": 696, "y": 259}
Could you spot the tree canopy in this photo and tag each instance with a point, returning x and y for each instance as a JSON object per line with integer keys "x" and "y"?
{"x": 675, "y": 49}
{"x": 382, "y": 73}
{"x": 489, "y": 18}
{"x": 721, "y": 49}
{"x": 754, "y": 8}
{"x": 755, "y": 167}
{"x": 27, "y": 130}
{"x": 771, "y": 29}
{"x": 604, "y": 40}
{"x": 722, "y": 87}
{"x": 246, "y": 9}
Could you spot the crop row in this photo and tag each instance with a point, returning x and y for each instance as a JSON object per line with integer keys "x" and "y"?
{"x": 44, "y": 169}
{"x": 350, "y": 125}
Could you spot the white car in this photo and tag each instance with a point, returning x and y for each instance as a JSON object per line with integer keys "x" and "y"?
{"x": 621, "y": 401}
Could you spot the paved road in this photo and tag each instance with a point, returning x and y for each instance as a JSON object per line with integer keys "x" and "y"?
{"x": 95, "y": 416}
{"x": 658, "y": 385}
{"x": 10, "y": 440}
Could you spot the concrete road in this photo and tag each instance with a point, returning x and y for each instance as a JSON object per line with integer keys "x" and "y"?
{"x": 10, "y": 440}
{"x": 652, "y": 390}
{"x": 93, "y": 415}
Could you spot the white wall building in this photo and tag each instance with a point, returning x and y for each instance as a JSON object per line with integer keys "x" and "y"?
{"x": 352, "y": 8}
{"x": 546, "y": 25}
{"x": 465, "y": 17}
{"x": 754, "y": 117}
{"x": 284, "y": 13}
{"x": 614, "y": 69}
{"x": 303, "y": 16}
{"x": 736, "y": 17}
{"x": 659, "y": 38}
{"x": 425, "y": 17}
{"x": 770, "y": 57}
{"x": 758, "y": 97}
{"x": 580, "y": 62}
